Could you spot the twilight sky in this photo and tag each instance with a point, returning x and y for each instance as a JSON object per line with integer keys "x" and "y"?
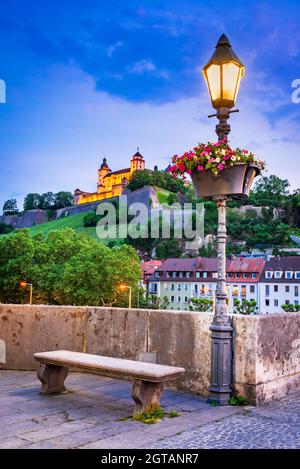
{"x": 88, "y": 79}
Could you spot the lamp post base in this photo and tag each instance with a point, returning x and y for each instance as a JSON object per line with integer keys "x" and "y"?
{"x": 221, "y": 359}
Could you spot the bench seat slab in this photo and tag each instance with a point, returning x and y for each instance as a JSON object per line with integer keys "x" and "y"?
{"x": 52, "y": 378}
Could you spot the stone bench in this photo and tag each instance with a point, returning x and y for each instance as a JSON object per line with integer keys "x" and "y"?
{"x": 148, "y": 378}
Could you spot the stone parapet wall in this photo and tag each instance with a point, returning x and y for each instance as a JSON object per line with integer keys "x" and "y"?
{"x": 267, "y": 348}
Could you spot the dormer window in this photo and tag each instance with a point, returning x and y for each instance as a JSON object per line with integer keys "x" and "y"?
{"x": 278, "y": 274}
{"x": 156, "y": 274}
{"x": 174, "y": 274}
{"x": 214, "y": 275}
{"x": 197, "y": 274}
{"x": 289, "y": 274}
{"x": 204, "y": 274}
{"x": 269, "y": 274}
{"x": 297, "y": 275}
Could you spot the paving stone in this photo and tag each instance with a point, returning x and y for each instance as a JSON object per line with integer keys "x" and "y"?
{"x": 91, "y": 417}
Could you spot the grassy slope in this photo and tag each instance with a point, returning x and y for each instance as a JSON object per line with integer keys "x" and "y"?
{"x": 74, "y": 221}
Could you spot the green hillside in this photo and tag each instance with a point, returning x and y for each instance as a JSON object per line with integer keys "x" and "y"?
{"x": 74, "y": 221}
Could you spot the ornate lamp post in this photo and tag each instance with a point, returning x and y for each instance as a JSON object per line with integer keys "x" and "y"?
{"x": 223, "y": 74}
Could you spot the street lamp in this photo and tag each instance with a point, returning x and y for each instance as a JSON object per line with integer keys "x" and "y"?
{"x": 223, "y": 74}
{"x": 24, "y": 284}
{"x": 123, "y": 287}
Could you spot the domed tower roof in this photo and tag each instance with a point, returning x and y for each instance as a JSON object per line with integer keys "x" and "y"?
{"x": 137, "y": 154}
{"x": 104, "y": 164}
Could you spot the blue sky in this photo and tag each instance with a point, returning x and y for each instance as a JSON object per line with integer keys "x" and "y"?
{"x": 87, "y": 79}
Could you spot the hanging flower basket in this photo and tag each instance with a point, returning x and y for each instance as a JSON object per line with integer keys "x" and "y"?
{"x": 217, "y": 170}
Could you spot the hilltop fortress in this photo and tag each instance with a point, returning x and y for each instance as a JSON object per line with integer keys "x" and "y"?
{"x": 110, "y": 183}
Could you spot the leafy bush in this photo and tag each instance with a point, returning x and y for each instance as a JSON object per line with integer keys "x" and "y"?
{"x": 91, "y": 219}
{"x": 291, "y": 308}
{"x": 245, "y": 307}
{"x": 201, "y": 304}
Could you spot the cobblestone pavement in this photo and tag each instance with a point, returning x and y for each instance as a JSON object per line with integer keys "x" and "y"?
{"x": 92, "y": 415}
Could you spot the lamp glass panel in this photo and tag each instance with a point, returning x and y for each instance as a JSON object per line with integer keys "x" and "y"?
{"x": 231, "y": 74}
{"x": 214, "y": 81}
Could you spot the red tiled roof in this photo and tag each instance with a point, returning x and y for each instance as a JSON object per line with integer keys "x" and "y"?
{"x": 244, "y": 264}
{"x": 180, "y": 265}
{"x": 149, "y": 267}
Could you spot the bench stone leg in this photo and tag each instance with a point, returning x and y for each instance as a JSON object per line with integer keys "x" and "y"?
{"x": 146, "y": 396}
{"x": 52, "y": 378}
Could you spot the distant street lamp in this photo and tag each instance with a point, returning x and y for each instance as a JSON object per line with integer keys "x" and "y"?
{"x": 24, "y": 284}
{"x": 123, "y": 287}
{"x": 223, "y": 74}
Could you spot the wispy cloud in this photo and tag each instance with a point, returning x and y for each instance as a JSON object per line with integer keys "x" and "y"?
{"x": 142, "y": 66}
{"x": 111, "y": 49}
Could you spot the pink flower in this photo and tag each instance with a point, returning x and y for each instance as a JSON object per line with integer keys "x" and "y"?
{"x": 226, "y": 157}
{"x": 220, "y": 166}
{"x": 200, "y": 167}
{"x": 189, "y": 171}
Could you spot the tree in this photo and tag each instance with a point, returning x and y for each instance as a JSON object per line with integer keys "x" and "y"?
{"x": 140, "y": 179}
{"x": 245, "y": 307}
{"x": 168, "y": 248}
{"x": 10, "y": 207}
{"x": 5, "y": 228}
{"x": 47, "y": 201}
{"x": 172, "y": 198}
{"x": 66, "y": 268}
{"x": 201, "y": 304}
{"x": 63, "y": 199}
{"x": 32, "y": 201}
{"x": 270, "y": 190}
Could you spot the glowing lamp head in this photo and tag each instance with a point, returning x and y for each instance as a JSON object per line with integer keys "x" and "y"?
{"x": 223, "y": 73}
{"x": 123, "y": 286}
{"x": 23, "y": 284}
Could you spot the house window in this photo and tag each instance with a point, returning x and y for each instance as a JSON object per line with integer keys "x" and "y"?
{"x": 178, "y": 299}
{"x": 186, "y": 287}
{"x": 186, "y": 300}
{"x": 204, "y": 274}
{"x": 269, "y": 274}
{"x": 179, "y": 286}
{"x": 267, "y": 302}
{"x": 156, "y": 274}
{"x": 167, "y": 274}
{"x": 252, "y": 288}
{"x": 196, "y": 288}
{"x": 254, "y": 274}
{"x": 287, "y": 302}
{"x": 296, "y": 291}
{"x": 289, "y": 274}
{"x": 244, "y": 290}
{"x": 296, "y": 302}
{"x": 172, "y": 299}
{"x": 197, "y": 274}
{"x": 188, "y": 274}
{"x": 275, "y": 288}
{"x": 245, "y": 275}
{"x": 174, "y": 274}
{"x": 166, "y": 285}
{"x": 181, "y": 274}
{"x": 278, "y": 274}
{"x": 172, "y": 287}
{"x": 267, "y": 290}
{"x": 154, "y": 287}
{"x": 236, "y": 275}
{"x": 287, "y": 288}
{"x": 235, "y": 291}
{"x": 215, "y": 275}
{"x": 297, "y": 275}
{"x": 228, "y": 275}
{"x": 275, "y": 302}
